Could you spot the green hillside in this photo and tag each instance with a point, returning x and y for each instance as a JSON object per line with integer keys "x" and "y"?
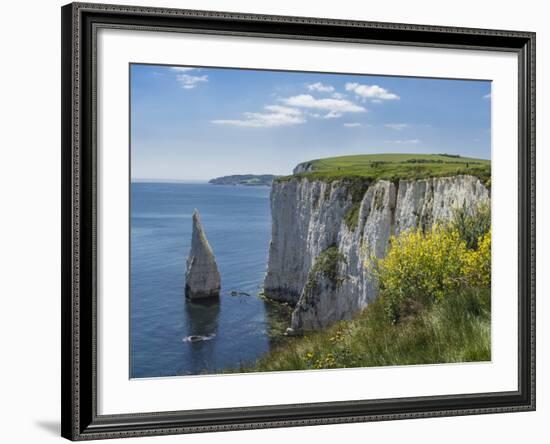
{"x": 395, "y": 167}
{"x": 458, "y": 329}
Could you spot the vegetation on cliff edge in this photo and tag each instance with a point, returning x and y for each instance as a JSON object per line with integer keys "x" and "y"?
{"x": 434, "y": 306}
{"x": 326, "y": 265}
{"x": 395, "y": 167}
{"x": 455, "y": 330}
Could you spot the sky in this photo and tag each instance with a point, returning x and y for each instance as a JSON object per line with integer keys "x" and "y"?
{"x": 196, "y": 123}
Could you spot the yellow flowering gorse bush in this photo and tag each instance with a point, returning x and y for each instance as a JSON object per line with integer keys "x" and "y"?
{"x": 420, "y": 269}
{"x": 478, "y": 263}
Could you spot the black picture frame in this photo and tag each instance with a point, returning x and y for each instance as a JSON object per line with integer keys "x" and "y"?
{"x": 80, "y": 420}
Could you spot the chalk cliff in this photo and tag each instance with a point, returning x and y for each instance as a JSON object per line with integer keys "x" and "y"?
{"x": 322, "y": 233}
{"x": 202, "y": 278}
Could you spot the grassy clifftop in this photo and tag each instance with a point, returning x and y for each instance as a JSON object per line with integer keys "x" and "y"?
{"x": 394, "y": 167}
{"x": 455, "y": 330}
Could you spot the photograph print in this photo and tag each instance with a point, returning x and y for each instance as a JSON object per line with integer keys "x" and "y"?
{"x": 298, "y": 221}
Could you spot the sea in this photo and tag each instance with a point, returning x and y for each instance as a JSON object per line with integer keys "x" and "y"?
{"x": 173, "y": 336}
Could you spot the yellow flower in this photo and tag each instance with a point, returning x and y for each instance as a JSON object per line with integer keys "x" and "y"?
{"x": 423, "y": 268}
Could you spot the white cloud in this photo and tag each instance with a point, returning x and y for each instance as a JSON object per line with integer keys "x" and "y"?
{"x": 332, "y": 115}
{"x": 334, "y": 107}
{"x": 372, "y": 92}
{"x": 283, "y": 110}
{"x": 338, "y": 95}
{"x": 352, "y": 125}
{"x": 397, "y": 126}
{"x": 318, "y": 86}
{"x": 189, "y": 82}
{"x": 404, "y": 142}
{"x": 487, "y": 96}
{"x": 276, "y": 115}
{"x": 180, "y": 69}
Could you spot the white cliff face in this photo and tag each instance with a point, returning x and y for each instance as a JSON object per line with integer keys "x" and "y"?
{"x": 310, "y": 217}
{"x": 202, "y": 278}
{"x": 304, "y": 167}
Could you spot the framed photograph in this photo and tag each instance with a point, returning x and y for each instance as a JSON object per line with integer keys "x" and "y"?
{"x": 280, "y": 221}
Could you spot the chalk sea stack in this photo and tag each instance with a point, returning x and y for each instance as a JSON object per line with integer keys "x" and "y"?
{"x": 202, "y": 278}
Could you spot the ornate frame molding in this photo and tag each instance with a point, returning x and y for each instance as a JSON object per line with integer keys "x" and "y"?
{"x": 80, "y": 22}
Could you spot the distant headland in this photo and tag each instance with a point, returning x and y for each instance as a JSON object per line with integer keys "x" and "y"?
{"x": 245, "y": 179}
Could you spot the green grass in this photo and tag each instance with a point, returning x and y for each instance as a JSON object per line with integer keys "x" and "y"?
{"x": 456, "y": 329}
{"x": 326, "y": 265}
{"x": 395, "y": 167}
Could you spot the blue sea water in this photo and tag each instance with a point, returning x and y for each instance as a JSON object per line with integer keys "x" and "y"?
{"x": 234, "y": 330}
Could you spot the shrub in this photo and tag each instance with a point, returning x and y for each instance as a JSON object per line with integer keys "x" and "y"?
{"x": 423, "y": 268}
{"x": 472, "y": 224}
{"x": 352, "y": 216}
{"x": 477, "y": 268}
{"x": 420, "y": 269}
{"x": 326, "y": 265}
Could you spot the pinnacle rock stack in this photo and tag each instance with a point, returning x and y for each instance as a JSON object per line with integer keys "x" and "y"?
{"x": 202, "y": 278}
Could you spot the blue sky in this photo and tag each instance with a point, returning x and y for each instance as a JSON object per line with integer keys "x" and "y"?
{"x": 200, "y": 123}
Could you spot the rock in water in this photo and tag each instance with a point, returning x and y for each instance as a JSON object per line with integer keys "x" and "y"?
{"x": 202, "y": 278}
